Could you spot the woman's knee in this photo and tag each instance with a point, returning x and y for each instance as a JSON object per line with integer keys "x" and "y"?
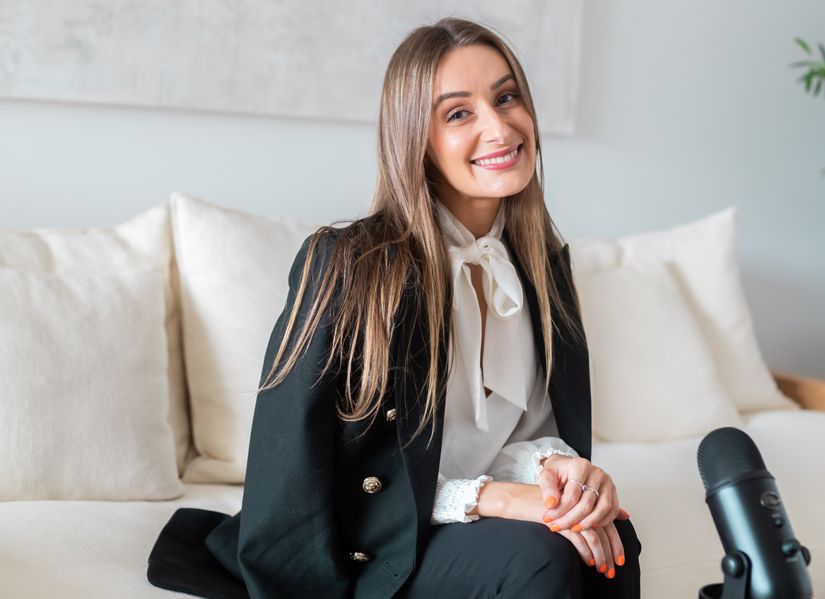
{"x": 546, "y": 565}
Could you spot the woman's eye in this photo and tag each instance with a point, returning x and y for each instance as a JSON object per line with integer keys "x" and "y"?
{"x": 507, "y": 97}
{"x": 451, "y": 116}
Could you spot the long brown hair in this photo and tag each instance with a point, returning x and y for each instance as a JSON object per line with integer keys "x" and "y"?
{"x": 399, "y": 245}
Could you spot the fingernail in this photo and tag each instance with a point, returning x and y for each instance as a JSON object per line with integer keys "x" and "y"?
{"x": 602, "y": 568}
{"x": 611, "y": 573}
{"x": 555, "y": 528}
{"x": 592, "y": 562}
{"x": 547, "y": 519}
{"x": 577, "y": 528}
{"x": 550, "y": 501}
{"x": 620, "y": 560}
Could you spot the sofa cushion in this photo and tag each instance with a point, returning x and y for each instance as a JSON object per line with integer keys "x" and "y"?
{"x": 83, "y": 549}
{"x": 99, "y": 549}
{"x": 659, "y": 484}
{"x": 83, "y": 374}
{"x": 702, "y": 257}
{"x": 652, "y": 373}
{"x": 234, "y": 270}
{"x": 144, "y": 241}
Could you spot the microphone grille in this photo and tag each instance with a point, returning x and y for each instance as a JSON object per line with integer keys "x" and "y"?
{"x": 727, "y": 452}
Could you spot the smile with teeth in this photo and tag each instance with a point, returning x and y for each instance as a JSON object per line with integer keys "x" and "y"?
{"x": 498, "y": 159}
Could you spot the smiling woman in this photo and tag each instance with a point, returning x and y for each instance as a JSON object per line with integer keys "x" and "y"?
{"x": 482, "y": 139}
{"x": 423, "y": 423}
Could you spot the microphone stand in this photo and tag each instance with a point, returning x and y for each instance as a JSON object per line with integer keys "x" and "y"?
{"x": 737, "y": 569}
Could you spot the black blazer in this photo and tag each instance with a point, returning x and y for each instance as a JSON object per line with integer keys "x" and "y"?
{"x": 309, "y": 524}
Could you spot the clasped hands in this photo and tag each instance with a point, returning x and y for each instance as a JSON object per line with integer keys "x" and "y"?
{"x": 560, "y": 502}
{"x": 581, "y": 515}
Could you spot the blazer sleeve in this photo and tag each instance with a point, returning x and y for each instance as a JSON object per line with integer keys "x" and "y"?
{"x": 287, "y": 542}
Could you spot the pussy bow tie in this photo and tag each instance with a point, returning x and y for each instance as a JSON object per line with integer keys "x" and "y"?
{"x": 502, "y": 359}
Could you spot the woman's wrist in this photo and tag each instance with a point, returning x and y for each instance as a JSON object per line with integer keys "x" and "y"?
{"x": 489, "y": 501}
{"x": 514, "y": 501}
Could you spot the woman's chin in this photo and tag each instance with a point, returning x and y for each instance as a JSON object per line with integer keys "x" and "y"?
{"x": 503, "y": 189}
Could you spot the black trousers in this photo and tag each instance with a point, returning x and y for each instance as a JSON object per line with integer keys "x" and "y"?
{"x": 489, "y": 558}
{"x": 496, "y": 558}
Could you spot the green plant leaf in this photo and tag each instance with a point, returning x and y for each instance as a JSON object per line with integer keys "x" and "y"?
{"x": 803, "y": 44}
{"x": 802, "y": 79}
{"x": 818, "y": 87}
{"x": 808, "y": 78}
{"x": 822, "y": 50}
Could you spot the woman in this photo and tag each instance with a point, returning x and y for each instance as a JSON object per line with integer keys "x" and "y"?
{"x": 402, "y": 445}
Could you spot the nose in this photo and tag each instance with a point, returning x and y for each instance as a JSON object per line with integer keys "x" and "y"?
{"x": 494, "y": 128}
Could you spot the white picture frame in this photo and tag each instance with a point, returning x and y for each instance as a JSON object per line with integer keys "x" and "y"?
{"x": 317, "y": 60}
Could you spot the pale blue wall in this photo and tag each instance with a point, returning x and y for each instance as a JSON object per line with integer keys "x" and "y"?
{"x": 685, "y": 107}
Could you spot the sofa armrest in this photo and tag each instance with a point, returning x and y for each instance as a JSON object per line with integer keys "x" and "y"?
{"x": 807, "y": 392}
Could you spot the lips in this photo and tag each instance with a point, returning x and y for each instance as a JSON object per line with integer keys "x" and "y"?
{"x": 497, "y": 154}
{"x": 501, "y": 158}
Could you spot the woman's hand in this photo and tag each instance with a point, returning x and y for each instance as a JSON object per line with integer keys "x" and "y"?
{"x": 572, "y": 507}
{"x": 598, "y": 547}
{"x": 601, "y": 547}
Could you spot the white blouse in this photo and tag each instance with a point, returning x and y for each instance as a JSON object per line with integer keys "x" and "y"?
{"x": 503, "y": 436}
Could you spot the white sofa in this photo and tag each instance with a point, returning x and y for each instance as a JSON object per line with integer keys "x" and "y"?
{"x": 102, "y": 441}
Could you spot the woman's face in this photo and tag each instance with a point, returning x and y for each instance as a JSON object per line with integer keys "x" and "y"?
{"x": 481, "y": 136}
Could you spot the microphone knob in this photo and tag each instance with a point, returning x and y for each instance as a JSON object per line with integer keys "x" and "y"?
{"x": 790, "y": 548}
{"x": 806, "y": 555}
{"x": 733, "y": 566}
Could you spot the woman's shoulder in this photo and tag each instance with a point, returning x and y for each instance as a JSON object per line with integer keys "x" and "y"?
{"x": 351, "y": 238}
{"x": 563, "y": 254}
{"x": 355, "y": 236}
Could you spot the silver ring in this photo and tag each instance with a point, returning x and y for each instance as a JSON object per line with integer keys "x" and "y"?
{"x": 589, "y": 488}
{"x": 584, "y": 487}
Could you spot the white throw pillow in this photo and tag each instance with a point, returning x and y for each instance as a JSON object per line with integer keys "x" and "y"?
{"x": 652, "y": 373}
{"x": 234, "y": 270}
{"x": 83, "y": 374}
{"x": 144, "y": 241}
{"x": 702, "y": 257}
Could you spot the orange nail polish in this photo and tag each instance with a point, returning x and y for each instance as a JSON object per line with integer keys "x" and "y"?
{"x": 577, "y": 528}
{"x": 550, "y": 501}
{"x": 620, "y": 560}
{"x": 611, "y": 573}
{"x": 547, "y": 519}
{"x": 592, "y": 562}
{"x": 555, "y": 528}
{"x": 602, "y": 568}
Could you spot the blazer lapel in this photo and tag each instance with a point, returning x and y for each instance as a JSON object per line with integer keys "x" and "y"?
{"x": 569, "y": 388}
{"x": 410, "y": 362}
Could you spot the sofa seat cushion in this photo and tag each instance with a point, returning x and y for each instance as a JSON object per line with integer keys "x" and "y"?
{"x": 81, "y": 549}
{"x": 659, "y": 485}
{"x": 87, "y": 549}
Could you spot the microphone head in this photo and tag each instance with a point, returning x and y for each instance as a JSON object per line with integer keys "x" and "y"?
{"x": 726, "y": 453}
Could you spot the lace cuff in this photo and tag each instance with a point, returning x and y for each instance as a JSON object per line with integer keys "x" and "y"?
{"x": 521, "y": 462}
{"x": 539, "y": 456}
{"x": 455, "y": 497}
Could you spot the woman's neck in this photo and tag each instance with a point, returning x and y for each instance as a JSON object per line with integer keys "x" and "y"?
{"x": 477, "y": 214}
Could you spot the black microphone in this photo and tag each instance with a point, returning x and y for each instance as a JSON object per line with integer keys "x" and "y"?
{"x": 763, "y": 559}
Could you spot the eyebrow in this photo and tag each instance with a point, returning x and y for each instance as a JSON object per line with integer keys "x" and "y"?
{"x": 449, "y": 95}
